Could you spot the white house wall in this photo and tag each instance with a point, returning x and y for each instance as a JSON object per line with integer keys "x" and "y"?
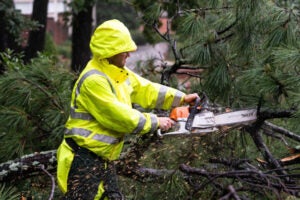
{"x": 55, "y": 7}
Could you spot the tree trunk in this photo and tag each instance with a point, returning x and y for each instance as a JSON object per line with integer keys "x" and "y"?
{"x": 82, "y": 29}
{"x": 3, "y": 39}
{"x": 36, "y": 41}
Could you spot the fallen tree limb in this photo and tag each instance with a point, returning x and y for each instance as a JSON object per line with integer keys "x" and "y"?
{"x": 28, "y": 165}
{"x": 276, "y": 180}
{"x": 40, "y": 163}
{"x": 231, "y": 194}
{"x": 255, "y": 179}
{"x": 31, "y": 164}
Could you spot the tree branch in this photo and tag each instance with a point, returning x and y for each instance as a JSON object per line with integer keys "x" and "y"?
{"x": 232, "y": 193}
{"x": 287, "y": 133}
{"x": 258, "y": 140}
{"x": 254, "y": 178}
{"x": 27, "y": 165}
{"x": 262, "y": 147}
{"x": 52, "y": 181}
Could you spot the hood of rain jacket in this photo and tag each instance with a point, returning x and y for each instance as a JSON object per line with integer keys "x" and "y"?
{"x": 111, "y": 38}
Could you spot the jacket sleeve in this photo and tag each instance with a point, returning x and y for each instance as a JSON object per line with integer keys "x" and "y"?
{"x": 98, "y": 99}
{"x": 153, "y": 95}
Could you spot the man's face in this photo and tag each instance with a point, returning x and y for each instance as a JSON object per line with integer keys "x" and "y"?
{"x": 119, "y": 60}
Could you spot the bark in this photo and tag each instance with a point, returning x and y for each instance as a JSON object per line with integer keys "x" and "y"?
{"x": 39, "y": 163}
{"x": 232, "y": 194}
{"x": 3, "y": 39}
{"x": 82, "y": 29}
{"x": 36, "y": 41}
{"x": 259, "y": 142}
{"x": 28, "y": 165}
{"x": 272, "y": 127}
{"x": 254, "y": 180}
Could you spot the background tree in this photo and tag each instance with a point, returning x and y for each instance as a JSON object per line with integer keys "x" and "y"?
{"x": 13, "y": 24}
{"x": 110, "y": 9}
{"x": 37, "y": 38}
{"x": 82, "y": 25}
{"x": 81, "y": 32}
{"x": 6, "y": 39}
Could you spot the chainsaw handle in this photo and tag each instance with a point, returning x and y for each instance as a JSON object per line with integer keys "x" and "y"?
{"x": 179, "y": 130}
{"x": 193, "y": 112}
{"x": 203, "y": 103}
{"x": 158, "y": 132}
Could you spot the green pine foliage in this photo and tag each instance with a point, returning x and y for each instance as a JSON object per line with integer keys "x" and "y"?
{"x": 8, "y": 193}
{"x": 34, "y": 105}
{"x": 246, "y": 50}
{"x": 236, "y": 42}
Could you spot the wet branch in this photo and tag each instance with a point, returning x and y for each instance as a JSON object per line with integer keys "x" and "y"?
{"x": 254, "y": 179}
{"x": 273, "y": 128}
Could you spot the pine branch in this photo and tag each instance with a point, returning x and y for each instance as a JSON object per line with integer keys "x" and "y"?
{"x": 272, "y": 127}
{"x": 178, "y": 61}
{"x": 254, "y": 178}
{"x": 44, "y": 91}
{"x": 227, "y": 28}
{"x": 189, "y": 74}
{"x": 52, "y": 181}
{"x": 231, "y": 193}
{"x": 263, "y": 148}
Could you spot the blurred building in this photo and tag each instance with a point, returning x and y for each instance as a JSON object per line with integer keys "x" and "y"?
{"x": 56, "y": 25}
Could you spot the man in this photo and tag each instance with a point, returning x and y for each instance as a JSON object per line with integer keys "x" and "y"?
{"x": 101, "y": 114}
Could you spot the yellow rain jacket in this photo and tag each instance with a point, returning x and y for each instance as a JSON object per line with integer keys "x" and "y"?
{"x": 101, "y": 107}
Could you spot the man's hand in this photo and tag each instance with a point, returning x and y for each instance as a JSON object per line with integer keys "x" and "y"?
{"x": 190, "y": 98}
{"x": 165, "y": 123}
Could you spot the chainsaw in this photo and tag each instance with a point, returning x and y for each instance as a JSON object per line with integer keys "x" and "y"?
{"x": 202, "y": 118}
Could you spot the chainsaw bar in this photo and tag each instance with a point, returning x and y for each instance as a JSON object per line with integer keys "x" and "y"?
{"x": 207, "y": 122}
{"x": 209, "y": 119}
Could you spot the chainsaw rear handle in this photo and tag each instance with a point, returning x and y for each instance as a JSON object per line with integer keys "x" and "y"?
{"x": 193, "y": 112}
{"x": 199, "y": 102}
{"x": 204, "y": 102}
{"x": 179, "y": 131}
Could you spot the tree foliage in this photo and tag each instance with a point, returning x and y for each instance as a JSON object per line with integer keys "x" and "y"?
{"x": 110, "y": 9}
{"x": 13, "y": 25}
{"x": 8, "y": 193}
{"x": 233, "y": 42}
{"x": 34, "y": 105}
{"x": 245, "y": 53}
